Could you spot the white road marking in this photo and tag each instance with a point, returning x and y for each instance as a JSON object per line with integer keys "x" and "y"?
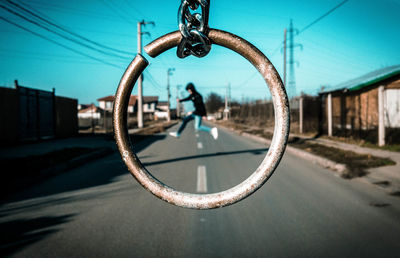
{"x": 197, "y": 135}
{"x": 201, "y": 179}
{"x": 199, "y": 145}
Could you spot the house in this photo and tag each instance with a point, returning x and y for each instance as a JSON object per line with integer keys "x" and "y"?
{"x": 161, "y": 110}
{"x": 89, "y": 111}
{"x": 89, "y": 116}
{"x": 149, "y": 103}
{"x": 162, "y": 106}
{"x": 367, "y": 107}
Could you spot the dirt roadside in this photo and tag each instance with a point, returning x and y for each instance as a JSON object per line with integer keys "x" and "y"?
{"x": 348, "y": 163}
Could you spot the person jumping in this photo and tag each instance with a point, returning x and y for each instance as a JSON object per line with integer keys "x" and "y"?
{"x": 197, "y": 115}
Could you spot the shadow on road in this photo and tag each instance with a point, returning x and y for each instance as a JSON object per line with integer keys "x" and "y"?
{"x": 141, "y": 142}
{"x": 208, "y": 155}
{"x": 96, "y": 173}
{"x": 17, "y": 234}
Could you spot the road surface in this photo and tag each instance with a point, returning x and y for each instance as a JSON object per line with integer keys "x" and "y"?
{"x": 99, "y": 210}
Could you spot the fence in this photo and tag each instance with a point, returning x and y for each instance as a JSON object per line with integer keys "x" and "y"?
{"x": 260, "y": 113}
{"x": 31, "y": 114}
{"x": 305, "y": 114}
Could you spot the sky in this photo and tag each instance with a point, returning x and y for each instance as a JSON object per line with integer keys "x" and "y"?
{"x": 356, "y": 38}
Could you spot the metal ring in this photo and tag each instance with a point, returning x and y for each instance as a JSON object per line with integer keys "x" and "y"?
{"x": 257, "y": 178}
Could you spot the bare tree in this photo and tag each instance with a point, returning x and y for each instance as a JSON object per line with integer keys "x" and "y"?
{"x": 214, "y": 102}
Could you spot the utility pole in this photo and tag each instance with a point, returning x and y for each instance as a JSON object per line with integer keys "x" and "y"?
{"x": 92, "y": 111}
{"x": 140, "y": 81}
{"x": 284, "y": 57}
{"x": 292, "y": 81}
{"x": 169, "y": 72}
{"x": 178, "y": 105}
{"x": 227, "y": 100}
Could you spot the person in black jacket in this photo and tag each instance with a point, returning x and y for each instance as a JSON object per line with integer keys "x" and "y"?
{"x": 199, "y": 112}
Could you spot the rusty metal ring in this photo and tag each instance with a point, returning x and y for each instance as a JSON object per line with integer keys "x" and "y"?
{"x": 257, "y": 178}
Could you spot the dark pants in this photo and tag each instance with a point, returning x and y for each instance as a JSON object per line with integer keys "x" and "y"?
{"x": 197, "y": 124}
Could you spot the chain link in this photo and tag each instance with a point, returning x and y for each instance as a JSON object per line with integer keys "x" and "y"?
{"x": 194, "y": 28}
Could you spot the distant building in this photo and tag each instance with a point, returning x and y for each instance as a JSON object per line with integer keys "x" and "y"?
{"x": 106, "y": 103}
{"x": 367, "y": 106}
{"x": 89, "y": 116}
{"x": 161, "y": 110}
{"x": 89, "y": 111}
{"x": 149, "y": 103}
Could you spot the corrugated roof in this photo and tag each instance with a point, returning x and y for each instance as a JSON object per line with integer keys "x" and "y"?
{"x": 367, "y": 79}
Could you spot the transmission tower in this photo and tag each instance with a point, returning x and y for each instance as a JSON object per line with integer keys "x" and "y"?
{"x": 291, "y": 86}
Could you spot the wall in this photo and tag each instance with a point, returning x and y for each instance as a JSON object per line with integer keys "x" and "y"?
{"x": 311, "y": 114}
{"x": 64, "y": 110}
{"x": 8, "y": 115}
{"x": 355, "y": 114}
{"x": 355, "y": 111}
{"x": 66, "y": 117}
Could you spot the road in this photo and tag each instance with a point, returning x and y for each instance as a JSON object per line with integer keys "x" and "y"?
{"x": 99, "y": 210}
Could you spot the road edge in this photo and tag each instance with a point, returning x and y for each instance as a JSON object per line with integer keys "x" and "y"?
{"x": 315, "y": 159}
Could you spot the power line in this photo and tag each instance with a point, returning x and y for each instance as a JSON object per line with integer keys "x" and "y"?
{"x": 75, "y": 11}
{"x": 245, "y": 82}
{"x": 68, "y": 31}
{"x": 311, "y": 24}
{"x": 121, "y": 10}
{"x": 44, "y": 56}
{"x": 52, "y": 59}
{"x": 322, "y": 16}
{"x": 153, "y": 82}
{"x": 61, "y": 35}
{"x": 118, "y": 12}
{"x": 136, "y": 9}
{"x": 60, "y": 44}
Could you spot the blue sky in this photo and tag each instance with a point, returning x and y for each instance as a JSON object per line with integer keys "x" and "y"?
{"x": 358, "y": 37}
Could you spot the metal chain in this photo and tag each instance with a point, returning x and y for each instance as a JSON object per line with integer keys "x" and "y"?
{"x": 194, "y": 28}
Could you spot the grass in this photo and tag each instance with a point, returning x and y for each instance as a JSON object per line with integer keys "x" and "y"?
{"x": 243, "y": 128}
{"x": 154, "y": 128}
{"x": 363, "y": 143}
{"x": 356, "y": 163}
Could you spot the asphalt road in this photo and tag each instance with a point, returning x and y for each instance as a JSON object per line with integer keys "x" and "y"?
{"x": 99, "y": 210}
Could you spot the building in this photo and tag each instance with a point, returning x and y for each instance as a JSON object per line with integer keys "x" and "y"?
{"x": 149, "y": 103}
{"x": 161, "y": 110}
{"x": 89, "y": 111}
{"x": 89, "y": 116}
{"x": 367, "y": 107}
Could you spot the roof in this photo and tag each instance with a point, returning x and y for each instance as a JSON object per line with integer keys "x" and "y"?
{"x": 163, "y": 103}
{"x": 132, "y": 99}
{"x": 108, "y": 98}
{"x": 367, "y": 79}
{"x": 88, "y": 108}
